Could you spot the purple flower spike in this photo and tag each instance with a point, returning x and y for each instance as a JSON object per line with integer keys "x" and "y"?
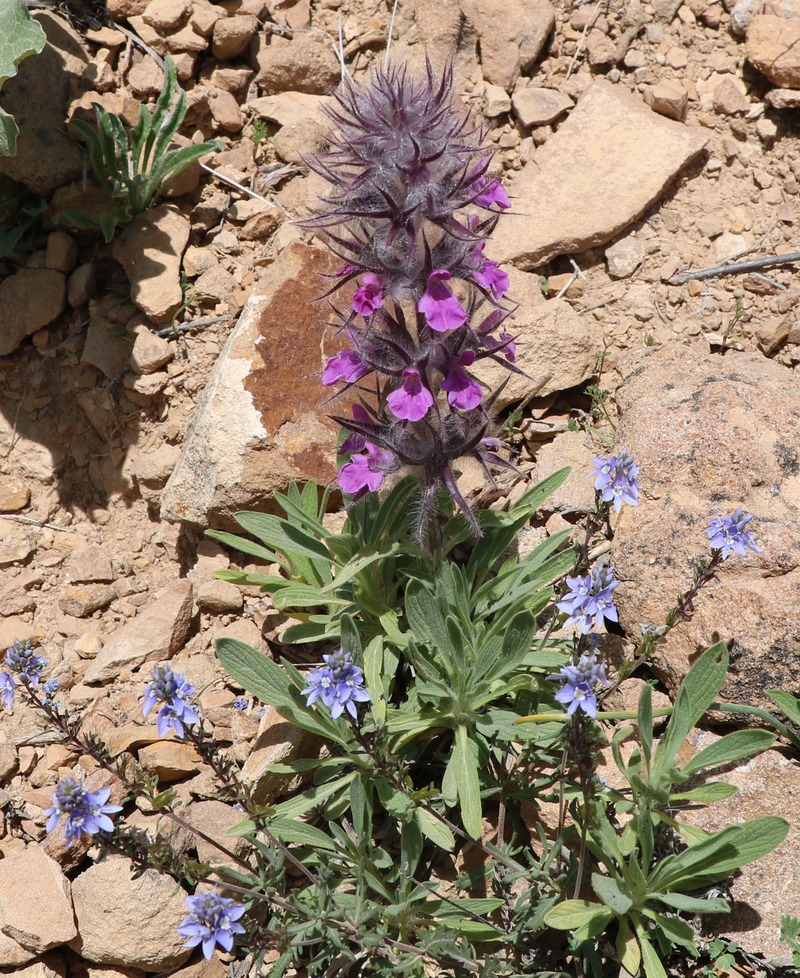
{"x": 339, "y": 684}
{"x": 369, "y": 297}
{"x": 7, "y": 687}
{"x": 489, "y": 275}
{"x": 365, "y": 472}
{"x": 463, "y": 393}
{"x": 412, "y": 401}
{"x": 589, "y": 601}
{"x": 24, "y": 662}
{"x": 441, "y": 309}
{"x": 490, "y": 193}
{"x": 576, "y": 693}
{"x": 615, "y": 478}
{"x": 85, "y": 811}
{"x": 730, "y": 533}
{"x": 171, "y": 689}
{"x": 212, "y": 921}
{"x": 346, "y": 365}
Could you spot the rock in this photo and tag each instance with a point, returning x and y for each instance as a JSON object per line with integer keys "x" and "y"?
{"x": 204, "y": 16}
{"x": 150, "y": 351}
{"x": 219, "y": 597}
{"x": 145, "y": 78}
{"x": 36, "y": 96}
{"x": 62, "y": 252}
{"x": 155, "y": 634}
{"x": 214, "y": 818}
{"x": 512, "y": 34}
{"x": 301, "y": 64}
{"x": 666, "y": 9}
{"x": 106, "y": 348}
{"x": 170, "y": 760}
{"x": 730, "y": 97}
{"x": 774, "y": 332}
{"x": 35, "y": 908}
{"x": 600, "y": 49}
{"x": 278, "y": 742}
{"x": 624, "y": 257}
{"x": 14, "y": 496}
{"x": 16, "y": 545}
{"x": 126, "y": 922}
{"x": 81, "y": 285}
{"x": 573, "y": 449}
{"x": 555, "y": 347}
{"x": 783, "y": 98}
{"x": 495, "y": 101}
{"x": 80, "y": 602}
{"x": 215, "y": 282}
{"x": 186, "y": 39}
{"x": 711, "y": 434}
{"x": 12, "y": 954}
{"x": 152, "y": 469}
{"x": 150, "y": 250}
{"x": 224, "y": 110}
{"x": 89, "y": 563}
{"x": 166, "y": 15}
{"x": 763, "y": 890}
{"x": 773, "y": 46}
{"x": 50, "y": 965}
{"x": 539, "y": 106}
{"x": 261, "y": 420}
{"x": 670, "y": 98}
{"x": 29, "y": 299}
{"x": 14, "y": 596}
{"x": 98, "y": 406}
{"x": 742, "y": 14}
{"x": 232, "y": 35}
{"x": 633, "y": 155}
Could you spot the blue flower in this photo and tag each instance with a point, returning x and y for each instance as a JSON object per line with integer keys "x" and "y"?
{"x": 211, "y": 921}
{"x": 728, "y": 533}
{"x": 615, "y": 479}
{"x": 7, "y": 687}
{"x": 171, "y": 689}
{"x": 85, "y": 811}
{"x": 339, "y": 684}
{"x": 240, "y": 704}
{"x": 589, "y": 601}
{"x": 577, "y": 693}
{"x": 22, "y": 660}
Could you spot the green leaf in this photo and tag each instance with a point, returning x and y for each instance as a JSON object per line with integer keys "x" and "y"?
{"x": 245, "y": 546}
{"x": 311, "y": 799}
{"x": 789, "y": 705}
{"x": 20, "y": 37}
{"x": 583, "y": 918}
{"x": 714, "y": 791}
{"x": 435, "y": 830}
{"x": 653, "y": 968}
{"x": 299, "y": 833}
{"x": 612, "y": 896}
{"x": 731, "y": 747}
{"x": 464, "y": 764}
{"x": 688, "y": 904}
{"x": 628, "y": 951}
{"x": 280, "y": 535}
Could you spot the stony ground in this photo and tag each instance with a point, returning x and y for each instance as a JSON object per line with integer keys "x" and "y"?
{"x": 104, "y": 356}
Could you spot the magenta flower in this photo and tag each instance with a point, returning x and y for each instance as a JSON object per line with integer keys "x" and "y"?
{"x": 441, "y": 309}
{"x": 365, "y": 471}
{"x": 463, "y": 393}
{"x": 412, "y": 401}
{"x": 489, "y": 275}
{"x": 346, "y": 365}
{"x": 490, "y": 193}
{"x": 369, "y": 297}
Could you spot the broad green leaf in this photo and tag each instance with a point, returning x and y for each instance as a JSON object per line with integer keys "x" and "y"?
{"x": 304, "y": 596}
{"x": 583, "y": 918}
{"x": 677, "y": 930}
{"x": 294, "y": 831}
{"x": 731, "y": 747}
{"x": 246, "y": 546}
{"x": 607, "y": 890}
{"x": 644, "y": 721}
{"x": 20, "y": 37}
{"x": 435, "y": 830}
{"x": 653, "y": 968}
{"x": 789, "y": 705}
{"x": 688, "y": 904}
{"x": 714, "y": 791}
{"x": 465, "y": 770}
{"x": 308, "y": 800}
{"x": 628, "y": 951}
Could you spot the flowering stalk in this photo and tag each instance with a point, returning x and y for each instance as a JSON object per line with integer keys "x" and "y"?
{"x": 409, "y": 211}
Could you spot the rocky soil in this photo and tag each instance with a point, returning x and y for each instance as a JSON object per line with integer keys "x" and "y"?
{"x": 153, "y": 387}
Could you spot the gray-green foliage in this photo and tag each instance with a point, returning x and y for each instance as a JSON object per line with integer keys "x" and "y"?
{"x": 20, "y": 37}
{"x": 134, "y": 165}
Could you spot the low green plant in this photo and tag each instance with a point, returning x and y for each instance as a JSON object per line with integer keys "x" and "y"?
{"x": 19, "y": 216}
{"x": 20, "y": 37}
{"x": 259, "y": 132}
{"x": 790, "y": 934}
{"x": 133, "y": 165}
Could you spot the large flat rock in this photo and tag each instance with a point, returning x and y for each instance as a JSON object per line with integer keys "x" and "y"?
{"x": 609, "y": 162}
{"x": 261, "y": 420}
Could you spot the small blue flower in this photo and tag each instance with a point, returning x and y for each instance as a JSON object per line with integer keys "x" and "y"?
{"x": 728, "y": 533}
{"x": 615, "y": 479}
{"x": 171, "y": 689}
{"x": 589, "y": 601}
{"x": 339, "y": 684}
{"x": 85, "y": 811}
{"x": 241, "y": 704}
{"x": 212, "y": 920}
{"x": 7, "y": 687}
{"x": 577, "y": 693}
{"x": 22, "y": 660}
{"x": 50, "y": 688}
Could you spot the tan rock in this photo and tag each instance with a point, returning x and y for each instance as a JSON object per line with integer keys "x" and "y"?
{"x": 633, "y": 155}
{"x": 81, "y": 285}
{"x": 711, "y": 434}
{"x": 232, "y": 36}
{"x": 261, "y": 420}
{"x": 773, "y": 332}
{"x": 301, "y": 64}
{"x": 29, "y": 299}
{"x": 187, "y": 39}
{"x": 512, "y": 34}
{"x": 204, "y": 16}
{"x": 80, "y": 601}
{"x": 62, "y": 252}
{"x": 773, "y": 46}
{"x": 89, "y": 563}
{"x": 670, "y": 97}
{"x": 150, "y": 351}
{"x": 278, "y": 741}
{"x": 224, "y": 109}
{"x": 106, "y": 347}
{"x": 50, "y": 965}
{"x": 573, "y": 449}
{"x": 35, "y": 907}
{"x": 170, "y": 760}
{"x": 539, "y": 106}
{"x": 12, "y": 955}
{"x": 156, "y": 633}
{"x": 730, "y": 97}
{"x": 14, "y": 496}
{"x": 145, "y": 78}
{"x": 126, "y": 922}
{"x": 166, "y": 15}
{"x": 150, "y": 251}
{"x": 213, "y": 819}
{"x": 783, "y": 98}
{"x": 219, "y": 597}
{"x": 624, "y": 257}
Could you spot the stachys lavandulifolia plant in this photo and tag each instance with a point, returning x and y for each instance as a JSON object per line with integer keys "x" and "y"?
{"x": 409, "y": 210}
